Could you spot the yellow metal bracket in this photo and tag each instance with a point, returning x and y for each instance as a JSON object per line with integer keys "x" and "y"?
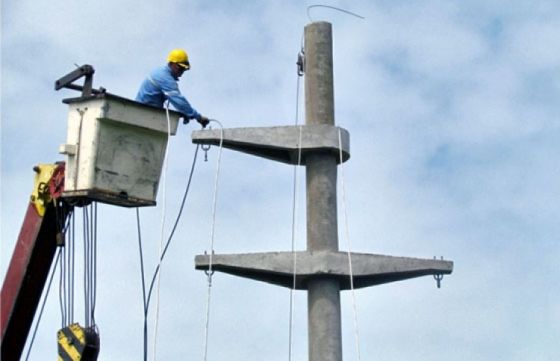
{"x": 41, "y": 196}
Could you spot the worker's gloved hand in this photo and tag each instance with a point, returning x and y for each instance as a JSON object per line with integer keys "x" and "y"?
{"x": 185, "y": 119}
{"x": 203, "y": 121}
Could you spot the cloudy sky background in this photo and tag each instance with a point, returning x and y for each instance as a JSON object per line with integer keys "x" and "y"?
{"x": 454, "y": 117}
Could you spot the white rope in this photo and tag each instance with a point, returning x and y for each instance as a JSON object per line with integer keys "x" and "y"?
{"x": 294, "y": 253}
{"x": 162, "y": 230}
{"x": 212, "y": 232}
{"x": 294, "y": 224}
{"x": 347, "y": 236}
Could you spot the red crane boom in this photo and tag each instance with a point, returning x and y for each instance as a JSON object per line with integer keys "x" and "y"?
{"x": 31, "y": 260}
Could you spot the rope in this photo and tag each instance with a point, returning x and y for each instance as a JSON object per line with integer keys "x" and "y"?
{"x": 294, "y": 220}
{"x": 143, "y": 278}
{"x": 163, "y": 214}
{"x": 212, "y": 233}
{"x": 294, "y": 253}
{"x": 147, "y": 295}
{"x": 347, "y": 236}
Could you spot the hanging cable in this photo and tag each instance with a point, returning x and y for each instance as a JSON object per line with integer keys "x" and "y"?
{"x": 162, "y": 230}
{"x": 300, "y": 64}
{"x": 87, "y": 267}
{"x": 173, "y": 229}
{"x": 94, "y": 301}
{"x": 90, "y": 262}
{"x": 210, "y": 271}
{"x": 347, "y": 236}
{"x": 46, "y": 295}
{"x": 143, "y": 279}
{"x": 70, "y": 244}
{"x": 62, "y": 288}
{"x": 67, "y": 262}
{"x": 146, "y": 295}
{"x": 85, "y": 235}
{"x": 294, "y": 253}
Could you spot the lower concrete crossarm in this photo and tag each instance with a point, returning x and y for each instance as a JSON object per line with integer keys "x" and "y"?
{"x": 367, "y": 269}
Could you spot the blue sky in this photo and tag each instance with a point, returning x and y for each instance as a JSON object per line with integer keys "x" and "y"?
{"x": 453, "y": 112}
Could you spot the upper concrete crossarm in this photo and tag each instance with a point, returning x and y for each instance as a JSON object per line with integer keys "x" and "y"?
{"x": 368, "y": 269}
{"x": 280, "y": 143}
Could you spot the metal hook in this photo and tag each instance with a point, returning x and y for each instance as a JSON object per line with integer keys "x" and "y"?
{"x": 205, "y": 148}
{"x": 208, "y": 272}
{"x": 438, "y": 278}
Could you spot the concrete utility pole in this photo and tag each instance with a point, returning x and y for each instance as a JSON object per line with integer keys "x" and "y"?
{"x": 323, "y": 298}
{"x": 322, "y": 269}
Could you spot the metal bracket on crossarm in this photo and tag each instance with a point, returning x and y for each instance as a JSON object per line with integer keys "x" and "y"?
{"x": 438, "y": 276}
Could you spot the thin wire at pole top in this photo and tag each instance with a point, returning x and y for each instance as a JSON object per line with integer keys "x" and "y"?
{"x": 332, "y": 8}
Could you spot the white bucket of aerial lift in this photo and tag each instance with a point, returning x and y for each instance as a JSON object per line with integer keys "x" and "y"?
{"x": 115, "y": 149}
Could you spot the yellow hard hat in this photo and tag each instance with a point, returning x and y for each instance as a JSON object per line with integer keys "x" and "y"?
{"x": 180, "y": 57}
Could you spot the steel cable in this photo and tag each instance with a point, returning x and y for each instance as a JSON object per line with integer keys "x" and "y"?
{"x": 53, "y": 271}
{"x": 147, "y": 295}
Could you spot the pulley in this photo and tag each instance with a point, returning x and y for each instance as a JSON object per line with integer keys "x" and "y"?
{"x": 300, "y": 63}
{"x": 78, "y": 343}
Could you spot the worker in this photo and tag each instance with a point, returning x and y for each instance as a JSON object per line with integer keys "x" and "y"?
{"x": 161, "y": 84}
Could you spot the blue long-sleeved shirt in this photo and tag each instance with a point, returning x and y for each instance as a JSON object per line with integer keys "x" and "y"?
{"x": 161, "y": 85}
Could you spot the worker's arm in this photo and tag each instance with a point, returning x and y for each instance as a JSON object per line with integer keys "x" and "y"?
{"x": 182, "y": 104}
{"x": 172, "y": 93}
